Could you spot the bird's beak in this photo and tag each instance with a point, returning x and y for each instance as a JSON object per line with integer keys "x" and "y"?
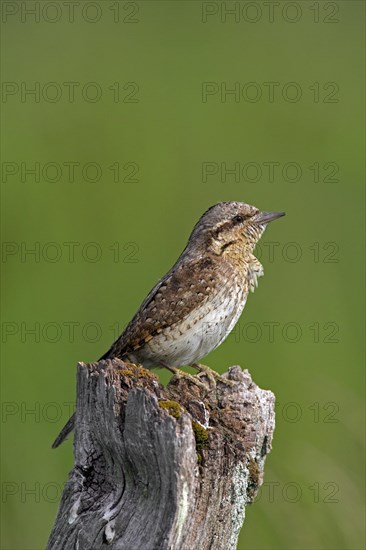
{"x": 265, "y": 217}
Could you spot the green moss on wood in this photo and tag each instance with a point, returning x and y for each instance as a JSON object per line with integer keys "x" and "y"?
{"x": 135, "y": 371}
{"x": 173, "y": 408}
{"x": 145, "y": 373}
{"x": 201, "y": 436}
{"x": 126, "y": 372}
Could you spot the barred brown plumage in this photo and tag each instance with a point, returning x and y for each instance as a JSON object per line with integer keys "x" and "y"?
{"x": 193, "y": 308}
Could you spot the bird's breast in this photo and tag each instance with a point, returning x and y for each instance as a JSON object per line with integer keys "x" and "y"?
{"x": 201, "y": 331}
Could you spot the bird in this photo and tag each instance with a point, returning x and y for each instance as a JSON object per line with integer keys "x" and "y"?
{"x": 195, "y": 306}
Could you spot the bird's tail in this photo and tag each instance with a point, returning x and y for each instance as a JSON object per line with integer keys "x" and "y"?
{"x": 66, "y": 430}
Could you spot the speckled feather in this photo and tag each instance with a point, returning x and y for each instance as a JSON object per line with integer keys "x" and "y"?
{"x": 196, "y": 304}
{"x": 209, "y": 282}
{"x": 184, "y": 289}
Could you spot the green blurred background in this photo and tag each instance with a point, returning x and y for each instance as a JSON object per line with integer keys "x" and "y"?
{"x": 159, "y": 145}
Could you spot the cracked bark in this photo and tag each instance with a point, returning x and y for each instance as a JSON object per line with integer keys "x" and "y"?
{"x": 168, "y": 468}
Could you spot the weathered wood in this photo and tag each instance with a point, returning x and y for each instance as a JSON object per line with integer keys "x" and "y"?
{"x": 168, "y": 468}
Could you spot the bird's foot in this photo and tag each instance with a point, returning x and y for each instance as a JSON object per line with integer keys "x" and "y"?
{"x": 181, "y": 374}
{"x": 212, "y": 375}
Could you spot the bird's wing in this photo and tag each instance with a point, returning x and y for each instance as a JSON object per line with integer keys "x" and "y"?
{"x": 185, "y": 287}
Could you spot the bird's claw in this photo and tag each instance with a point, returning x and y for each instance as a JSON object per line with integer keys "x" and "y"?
{"x": 213, "y": 376}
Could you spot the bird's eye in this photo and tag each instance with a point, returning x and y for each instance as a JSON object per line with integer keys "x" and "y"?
{"x": 238, "y": 219}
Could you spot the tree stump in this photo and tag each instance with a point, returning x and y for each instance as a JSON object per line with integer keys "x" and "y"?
{"x": 165, "y": 468}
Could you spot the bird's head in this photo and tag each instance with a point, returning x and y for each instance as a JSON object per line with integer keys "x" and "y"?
{"x": 229, "y": 225}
